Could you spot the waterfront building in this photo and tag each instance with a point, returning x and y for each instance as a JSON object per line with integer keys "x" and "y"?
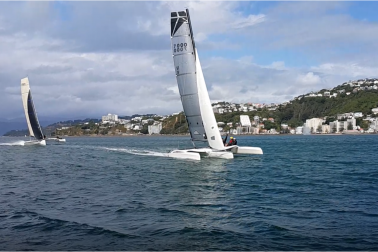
{"x": 154, "y": 129}
{"x": 313, "y": 124}
{"x": 109, "y": 118}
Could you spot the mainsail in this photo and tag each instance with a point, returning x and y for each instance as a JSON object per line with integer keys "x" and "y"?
{"x": 194, "y": 96}
{"x": 30, "y": 113}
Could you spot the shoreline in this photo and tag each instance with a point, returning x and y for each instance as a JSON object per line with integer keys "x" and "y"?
{"x": 181, "y": 135}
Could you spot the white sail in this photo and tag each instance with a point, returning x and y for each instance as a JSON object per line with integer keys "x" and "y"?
{"x": 25, "y": 88}
{"x": 30, "y": 113}
{"x": 210, "y": 124}
{"x": 194, "y": 96}
{"x": 185, "y": 68}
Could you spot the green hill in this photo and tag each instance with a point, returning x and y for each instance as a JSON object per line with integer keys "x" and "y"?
{"x": 357, "y": 96}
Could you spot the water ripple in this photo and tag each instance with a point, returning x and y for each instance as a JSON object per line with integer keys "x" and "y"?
{"x": 304, "y": 193}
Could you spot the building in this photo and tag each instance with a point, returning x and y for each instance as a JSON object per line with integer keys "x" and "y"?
{"x": 326, "y": 129}
{"x": 358, "y": 114}
{"x": 154, "y": 129}
{"x": 109, "y": 118}
{"x": 299, "y": 130}
{"x": 256, "y": 119}
{"x": 244, "y": 121}
{"x": 314, "y": 124}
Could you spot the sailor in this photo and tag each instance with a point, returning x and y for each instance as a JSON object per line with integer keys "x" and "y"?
{"x": 235, "y": 142}
{"x": 224, "y": 140}
{"x": 231, "y": 142}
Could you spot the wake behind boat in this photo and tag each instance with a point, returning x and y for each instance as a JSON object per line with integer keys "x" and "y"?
{"x": 195, "y": 98}
{"x": 35, "y": 130}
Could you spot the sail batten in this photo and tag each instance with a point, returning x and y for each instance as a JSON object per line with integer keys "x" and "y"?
{"x": 192, "y": 87}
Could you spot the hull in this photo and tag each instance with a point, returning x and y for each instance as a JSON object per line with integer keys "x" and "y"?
{"x": 247, "y": 150}
{"x": 195, "y": 154}
{"x": 35, "y": 142}
{"x": 56, "y": 139}
{"x": 184, "y": 154}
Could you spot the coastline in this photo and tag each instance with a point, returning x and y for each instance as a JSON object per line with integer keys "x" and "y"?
{"x": 188, "y": 135}
{"x": 257, "y": 135}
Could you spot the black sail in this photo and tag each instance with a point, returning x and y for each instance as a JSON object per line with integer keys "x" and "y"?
{"x": 38, "y": 134}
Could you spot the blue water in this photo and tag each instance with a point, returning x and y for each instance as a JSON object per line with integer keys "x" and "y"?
{"x": 304, "y": 193}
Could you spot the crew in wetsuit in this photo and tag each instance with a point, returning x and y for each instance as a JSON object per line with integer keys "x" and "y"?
{"x": 231, "y": 142}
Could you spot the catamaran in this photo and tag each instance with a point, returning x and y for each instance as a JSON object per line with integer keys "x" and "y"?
{"x": 195, "y": 98}
{"x": 34, "y": 127}
{"x": 57, "y": 139}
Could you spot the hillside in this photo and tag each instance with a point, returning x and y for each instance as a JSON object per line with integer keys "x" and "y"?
{"x": 356, "y": 96}
{"x": 50, "y": 129}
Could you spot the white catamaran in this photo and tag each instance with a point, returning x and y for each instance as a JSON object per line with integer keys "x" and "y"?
{"x": 31, "y": 115}
{"x": 195, "y": 98}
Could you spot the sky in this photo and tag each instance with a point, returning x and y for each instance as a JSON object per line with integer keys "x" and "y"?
{"x": 88, "y": 59}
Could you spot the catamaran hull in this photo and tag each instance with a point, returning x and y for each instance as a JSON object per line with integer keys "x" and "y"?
{"x": 195, "y": 154}
{"x": 228, "y": 153}
{"x": 35, "y": 142}
{"x": 247, "y": 150}
{"x": 184, "y": 154}
{"x": 57, "y": 140}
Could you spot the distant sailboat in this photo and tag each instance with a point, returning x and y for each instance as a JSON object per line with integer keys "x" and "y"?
{"x": 57, "y": 139}
{"x": 194, "y": 96}
{"x": 34, "y": 127}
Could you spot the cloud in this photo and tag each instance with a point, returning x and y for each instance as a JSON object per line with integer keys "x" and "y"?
{"x": 86, "y": 59}
{"x": 308, "y": 79}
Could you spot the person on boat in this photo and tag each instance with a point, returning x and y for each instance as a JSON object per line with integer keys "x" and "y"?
{"x": 235, "y": 142}
{"x": 225, "y": 140}
{"x": 231, "y": 142}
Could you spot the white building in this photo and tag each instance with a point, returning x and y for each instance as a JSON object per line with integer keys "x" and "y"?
{"x": 136, "y": 119}
{"x": 326, "y": 129}
{"x": 154, "y": 129}
{"x": 109, "y": 118}
{"x": 299, "y": 130}
{"x": 244, "y": 120}
{"x": 256, "y": 119}
{"x": 358, "y": 114}
{"x": 313, "y": 124}
{"x": 339, "y": 126}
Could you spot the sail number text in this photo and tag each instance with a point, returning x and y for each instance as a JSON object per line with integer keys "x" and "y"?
{"x": 179, "y": 47}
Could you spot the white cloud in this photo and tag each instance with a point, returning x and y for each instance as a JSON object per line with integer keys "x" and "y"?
{"x": 308, "y": 79}
{"x": 92, "y": 58}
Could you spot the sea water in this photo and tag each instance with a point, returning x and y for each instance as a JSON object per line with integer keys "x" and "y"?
{"x": 123, "y": 193}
